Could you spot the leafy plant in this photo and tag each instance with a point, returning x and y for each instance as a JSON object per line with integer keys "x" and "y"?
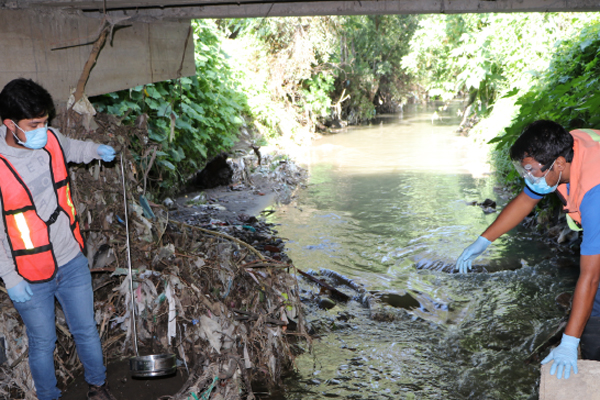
{"x": 189, "y": 119}
{"x": 371, "y": 48}
{"x": 485, "y": 55}
{"x": 567, "y": 92}
{"x": 284, "y": 65}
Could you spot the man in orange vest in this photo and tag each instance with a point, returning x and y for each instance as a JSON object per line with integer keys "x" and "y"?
{"x": 41, "y": 253}
{"x": 550, "y": 159}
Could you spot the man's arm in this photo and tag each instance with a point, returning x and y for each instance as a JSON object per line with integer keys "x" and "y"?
{"x": 8, "y": 272}
{"x": 78, "y": 151}
{"x": 585, "y": 291}
{"x": 564, "y": 356}
{"x": 589, "y": 264}
{"x": 511, "y": 216}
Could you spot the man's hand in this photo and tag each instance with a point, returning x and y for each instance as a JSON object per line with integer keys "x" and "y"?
{"x": 564, "y": 356}
{"x": 20, "y": 293}
{"x": 470, "y": 253}
{"x": 106, "y": 153}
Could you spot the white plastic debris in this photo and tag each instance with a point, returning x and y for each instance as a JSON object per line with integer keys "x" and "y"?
{"x": 172, "y": 325}
{"x": 211, "y": 331}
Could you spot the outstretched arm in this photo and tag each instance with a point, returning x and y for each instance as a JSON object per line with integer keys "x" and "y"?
{"x": 511, "y": 216}
{"x": 564, "y": 356}
{"x": 513, "y": 213}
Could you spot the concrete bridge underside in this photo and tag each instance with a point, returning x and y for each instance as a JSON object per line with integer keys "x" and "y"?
{"x": 177, "y": 10}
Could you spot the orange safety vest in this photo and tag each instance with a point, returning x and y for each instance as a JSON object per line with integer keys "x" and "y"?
{"x": 583, "y": 175}
{"x": 29, "y": 235}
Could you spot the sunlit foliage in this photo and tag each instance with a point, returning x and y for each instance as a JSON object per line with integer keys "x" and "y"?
{"x": 284, "y": 67}
{"x": 484, "y": 55}
{"x": 370, "y": 50}
{"x": 568, "y": 92}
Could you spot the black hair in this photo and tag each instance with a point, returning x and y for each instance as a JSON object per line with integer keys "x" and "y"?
{"x": 545, "y": 141}
{"x": 24, "y": 99}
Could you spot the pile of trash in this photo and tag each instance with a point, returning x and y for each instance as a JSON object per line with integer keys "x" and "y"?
{"x": 225, "y": 300}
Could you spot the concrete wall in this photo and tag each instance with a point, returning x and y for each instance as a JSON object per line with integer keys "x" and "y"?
{"x": 580, "y": 386}
{"x": 142, "y": 53}
{"x": 177, "y": 9}
{"x": 186, "y": 9}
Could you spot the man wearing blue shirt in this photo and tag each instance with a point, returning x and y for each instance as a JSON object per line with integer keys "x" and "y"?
{"x": 552, "y": 160}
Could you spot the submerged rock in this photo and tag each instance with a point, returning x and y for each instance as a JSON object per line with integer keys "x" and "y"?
{"x": 398, "y": 300}
{"x": 326, "y": 303}
{"x": 563, "y": 300}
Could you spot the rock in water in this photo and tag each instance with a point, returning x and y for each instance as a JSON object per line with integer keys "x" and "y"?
{"x": 216, "y": 173}
{"x": 563, "y": 300}
{"x": 400, "y": 300}
{"x": 326, "y": 303}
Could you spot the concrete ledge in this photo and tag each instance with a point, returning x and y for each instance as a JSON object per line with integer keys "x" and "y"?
{"x": 584, "y": 385}
{"x": 52, "y": 46}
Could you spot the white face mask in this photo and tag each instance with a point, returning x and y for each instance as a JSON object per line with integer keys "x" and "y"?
{"x": 35, "y": 139}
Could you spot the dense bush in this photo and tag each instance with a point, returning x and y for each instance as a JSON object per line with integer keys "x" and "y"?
{"x": 481, "y": 56}
{"x": 567, "y": 92}
{"x": 189, "y": 119}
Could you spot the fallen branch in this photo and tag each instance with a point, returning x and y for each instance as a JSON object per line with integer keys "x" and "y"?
{"x": 224, "y": 235}
{"x": 107, "y": 27}
{"x": 250, "y": 316}
{"x": 87, "y": 68}
{"x": 334, "y": 291}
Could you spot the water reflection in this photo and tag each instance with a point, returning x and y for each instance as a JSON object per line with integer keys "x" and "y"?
{"x": 383, "y": 200}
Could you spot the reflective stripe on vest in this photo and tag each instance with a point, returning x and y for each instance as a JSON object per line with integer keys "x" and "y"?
{"x": 24, "y": 229}
{"x": 573, "y": 225}
{"x": 593, "y": 134}
{"x": 28, "y": 235}
{"x": 60, "y": 177}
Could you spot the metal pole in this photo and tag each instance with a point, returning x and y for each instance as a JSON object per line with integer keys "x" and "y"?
{"x": 135, "y": 343}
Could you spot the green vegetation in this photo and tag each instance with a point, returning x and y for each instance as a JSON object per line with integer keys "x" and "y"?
{"x": 516, "y": 69}
{"x": 513, "y": 68}
{"x": 281, "y": 79}
{"x": 313, "y": 70}
{"x": 188, "y": 119}
{"x": 369, "y": 60}
{"x": 567, "y": 92}
{"x": 283, "y": 66}
{"x": 483, "y": 56}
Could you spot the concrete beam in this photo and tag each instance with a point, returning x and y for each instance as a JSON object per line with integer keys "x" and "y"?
{"x": 33, "y": 45}
{"x": 150, "y": 10}
{"x": 583, "y": 385}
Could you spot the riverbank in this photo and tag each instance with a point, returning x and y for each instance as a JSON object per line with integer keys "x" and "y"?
{"x": 256, "y": 185}
{"x": 211, "y": 285}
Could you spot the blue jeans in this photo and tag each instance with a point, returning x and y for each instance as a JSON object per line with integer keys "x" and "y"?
{"x": 72, "y": 286}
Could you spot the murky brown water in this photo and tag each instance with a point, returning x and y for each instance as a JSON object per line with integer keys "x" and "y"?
{"x": 383, "y": 199}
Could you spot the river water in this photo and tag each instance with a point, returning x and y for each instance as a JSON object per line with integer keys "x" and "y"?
{"x": 390, "y": 206}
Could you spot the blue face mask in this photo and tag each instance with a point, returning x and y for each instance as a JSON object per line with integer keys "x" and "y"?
{"x": 36, "y": 139}
{"x": 542, "y": 187}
